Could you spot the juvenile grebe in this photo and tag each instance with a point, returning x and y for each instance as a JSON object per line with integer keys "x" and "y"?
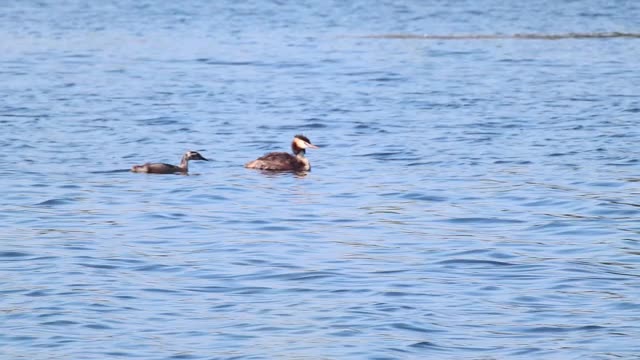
{"x": 161, "y": 168}
{"x": 282, "y": 161}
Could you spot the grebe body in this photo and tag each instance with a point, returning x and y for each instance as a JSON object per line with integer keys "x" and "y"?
{"x": 282, "y": 161}
{"x": 162, "y": 168}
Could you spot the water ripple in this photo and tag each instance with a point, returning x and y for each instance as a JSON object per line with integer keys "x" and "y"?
{"x": 475, "y": 193}
{"x": 531, "y": 36}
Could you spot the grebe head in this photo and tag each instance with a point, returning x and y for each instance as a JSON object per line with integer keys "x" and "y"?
{"x": 300, "y": 143}
{"x": 194, "y": 155}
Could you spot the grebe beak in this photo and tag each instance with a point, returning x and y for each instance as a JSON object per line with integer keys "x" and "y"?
{"x": 302, "y": 144}
{"x": 199, "y": 157}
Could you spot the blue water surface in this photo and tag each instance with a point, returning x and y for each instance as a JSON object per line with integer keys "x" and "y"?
{"x": 475, "y": 195}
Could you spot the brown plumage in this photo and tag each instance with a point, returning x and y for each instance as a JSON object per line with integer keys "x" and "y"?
{"x": 282, "y": 161}
{"x": 162, "y": 168}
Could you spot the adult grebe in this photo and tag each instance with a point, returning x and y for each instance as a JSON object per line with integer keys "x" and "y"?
{"x": 282, "y": 161}
{"x": 161, "y": 168}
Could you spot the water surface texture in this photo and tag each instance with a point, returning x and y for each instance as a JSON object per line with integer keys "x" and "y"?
{"x": 476, "y": 193}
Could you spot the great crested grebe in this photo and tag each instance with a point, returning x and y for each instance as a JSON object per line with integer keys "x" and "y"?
{"x": 161, "y": 168}
{"x": 282, "y": 161}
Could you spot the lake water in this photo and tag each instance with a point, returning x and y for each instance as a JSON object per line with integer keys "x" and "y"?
{"x": 476, "y": 193}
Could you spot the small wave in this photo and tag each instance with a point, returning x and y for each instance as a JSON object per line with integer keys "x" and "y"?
{"x": 54, "y": 202}
{"x": 298, "y": 276}
{"x": 158, "y": 121}
{"x": 208, "y": 197}
{"x": 471, "y": 220}
{"x": 425, "y": 345}
{"x": 159, "y": 290}
{"x": 110, "y": 171}
{"x": 209, "y": 289}
{"x": 475, "y": 262}
{"x": 37, "y": 293}
{"x": 517, "y": 36}
{"x": 98, "y": 266}
{"x": 248, "y": 290}
{"x": 12, "y": 254}
{"x": 315, "y": 125}
{"x": 224, "y": 63}
{"x": 424, "y": 197}
{"x": 403, "y": 326}
{"x": 183, "y": 357}
{"x": 59, "y": 323}
{"x": 563, "y": 329}
{"x": 156, "y": 268}
{"x": 276, "y": 228}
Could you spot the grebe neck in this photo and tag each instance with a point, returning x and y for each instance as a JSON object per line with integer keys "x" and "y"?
{"x": 184, "y": 163}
